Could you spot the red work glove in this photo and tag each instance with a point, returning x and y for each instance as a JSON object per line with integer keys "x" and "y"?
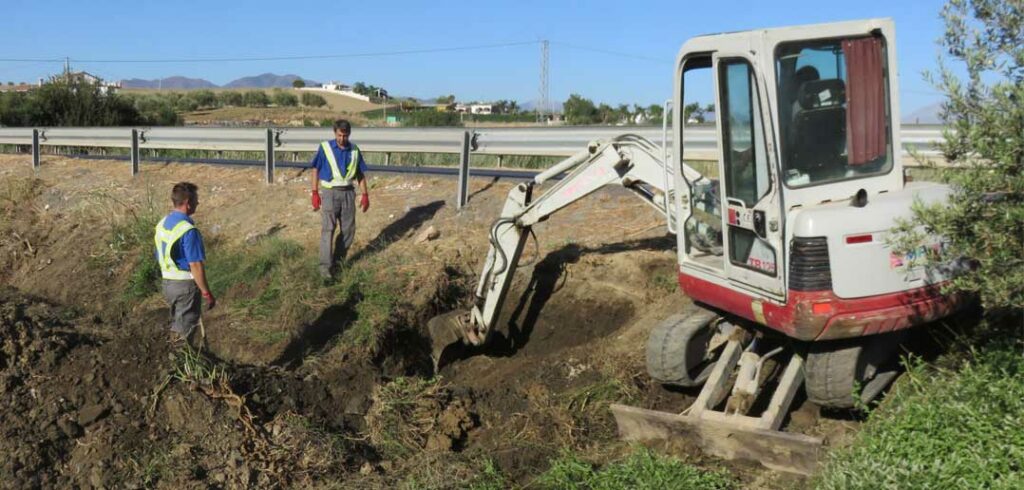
{"x": 364, "y": 202}
{"x": 210, "y": 300}
{"x": 316, "y": 200}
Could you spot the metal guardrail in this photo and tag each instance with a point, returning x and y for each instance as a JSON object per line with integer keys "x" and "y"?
{"x": 700, "y": 141}
{"x": 545, "y": 141}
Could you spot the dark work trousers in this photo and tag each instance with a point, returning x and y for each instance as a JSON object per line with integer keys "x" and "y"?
{"x": 337, "y": 210}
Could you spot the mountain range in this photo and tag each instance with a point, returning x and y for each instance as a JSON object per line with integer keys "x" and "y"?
{"x": 266, "y": 80}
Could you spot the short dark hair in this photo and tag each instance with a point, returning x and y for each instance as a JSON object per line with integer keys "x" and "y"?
{"x": 343, "y": 125}
{"x": 183, "y": 192}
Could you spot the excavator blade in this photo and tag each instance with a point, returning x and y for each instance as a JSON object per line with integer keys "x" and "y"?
{"x": 447, "y": 338}
{"x": 780, "y": 451}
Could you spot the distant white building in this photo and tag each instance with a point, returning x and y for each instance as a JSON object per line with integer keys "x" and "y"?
{"x": 481, "y": 108}
{"x": 335, "y": 86}
{"x": 474, "y": 108}
{"x": 82, "y": 76}
{"x": 340, "y": 89}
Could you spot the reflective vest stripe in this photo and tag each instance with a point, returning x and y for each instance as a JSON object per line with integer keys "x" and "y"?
{"x": 337, "y": 180}
{"x": 164, "y": 240}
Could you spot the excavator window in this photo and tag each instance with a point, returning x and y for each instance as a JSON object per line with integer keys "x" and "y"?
{"x": 833, "y": 110}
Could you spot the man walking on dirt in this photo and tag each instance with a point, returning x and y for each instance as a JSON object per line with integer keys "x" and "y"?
{"x": 180, "y": 253}
{"x": 338, "y": 164}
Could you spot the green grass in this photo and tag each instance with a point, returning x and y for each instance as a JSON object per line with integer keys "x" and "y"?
{"x": 266, "y": 279}
{"x": 959, "y": 427}
{"x": 131, "y": 239}
{"x": 640, "y": 470}
{"x": 377, "y": 302}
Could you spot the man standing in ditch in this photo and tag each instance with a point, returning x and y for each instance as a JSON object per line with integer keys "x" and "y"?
{"x": 339, "y": 164}
{"x": 180, "y": 253}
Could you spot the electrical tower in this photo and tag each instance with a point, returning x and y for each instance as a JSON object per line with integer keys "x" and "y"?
{"x": 542, "y": 108}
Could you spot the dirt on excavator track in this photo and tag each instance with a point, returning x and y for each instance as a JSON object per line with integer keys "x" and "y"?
{"x": 93, "y": 395}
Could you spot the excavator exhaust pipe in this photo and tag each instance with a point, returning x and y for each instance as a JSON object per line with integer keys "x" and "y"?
{"x": 448, "y": 337}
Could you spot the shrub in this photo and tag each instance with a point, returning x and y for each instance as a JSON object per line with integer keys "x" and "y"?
{"x": 285, "y": 99}
{"x": 255, "y": 98}
{"x": 68, "y": 103}
{"x": 313, "y": 100}
{"x": 204, "y": 98}
{"x": 984, "y": 217}
{"x": 431, "y": 118}
{"x": 230, "y": 99}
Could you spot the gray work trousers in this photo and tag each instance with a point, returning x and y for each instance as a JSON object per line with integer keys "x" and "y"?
{"x": 185, "y": 301}
{"x": 337, "y": 210}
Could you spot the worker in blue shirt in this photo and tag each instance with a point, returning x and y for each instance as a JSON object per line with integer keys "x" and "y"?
{"x": 180, "y": 253}
{"x": 338, "y": 164}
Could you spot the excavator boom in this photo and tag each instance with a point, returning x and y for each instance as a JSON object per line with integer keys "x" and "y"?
{"x": 628, "y": 160}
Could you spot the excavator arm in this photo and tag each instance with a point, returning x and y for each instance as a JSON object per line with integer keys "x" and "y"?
{"x": 628, "y": 160}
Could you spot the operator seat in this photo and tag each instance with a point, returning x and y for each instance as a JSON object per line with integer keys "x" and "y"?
{"x": 819, "y": 126}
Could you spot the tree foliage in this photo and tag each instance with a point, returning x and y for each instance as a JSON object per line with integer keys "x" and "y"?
{"x": 431, "y": 118}
{"x": 284, "y": 99}
{"x": 298, "y": 83}
{"x": 71, "y": 103}
{"x": 984, "y": 139}
{"x": 580, "y": 110}
{"x": 255, "y": 98}
{"x": 313, "y": 100}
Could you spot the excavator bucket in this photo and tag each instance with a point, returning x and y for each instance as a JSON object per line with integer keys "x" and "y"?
{"x": 447, "y": 338}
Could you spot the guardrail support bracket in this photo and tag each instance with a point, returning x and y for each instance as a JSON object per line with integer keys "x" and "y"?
{"x": 35, "y": 149}
{"x": 462, "y": 196}
{"x": 135, "y": 152}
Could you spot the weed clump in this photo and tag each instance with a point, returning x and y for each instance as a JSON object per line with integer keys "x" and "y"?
{"x": 641, "y": 469}
{"x": 946, "y": 428}
{"x": 412, "y": 414}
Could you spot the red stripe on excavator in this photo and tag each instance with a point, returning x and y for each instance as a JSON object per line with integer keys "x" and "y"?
{"x": 804, "y": 316}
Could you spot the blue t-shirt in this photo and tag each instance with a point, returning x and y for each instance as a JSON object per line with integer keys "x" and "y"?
{"x": 341, "y": 155}
{"x": 190, "y": 247}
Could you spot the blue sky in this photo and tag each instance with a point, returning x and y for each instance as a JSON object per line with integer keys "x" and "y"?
{"x": 649, "y": 32}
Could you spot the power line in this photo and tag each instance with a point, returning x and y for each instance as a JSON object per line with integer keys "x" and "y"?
{"x": 299, "y": 57}
{"x": 613, "y": 53}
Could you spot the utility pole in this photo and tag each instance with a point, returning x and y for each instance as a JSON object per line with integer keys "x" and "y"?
{"x": 542, "y": 109}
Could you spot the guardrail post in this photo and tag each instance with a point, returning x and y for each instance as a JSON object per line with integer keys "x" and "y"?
{"x": 269, "y": 156}
{"x": 387, "y": 158}
{"x": 35, "y": 149}
{"x": 463, "y": 192}
{"x": 135, "y": 152}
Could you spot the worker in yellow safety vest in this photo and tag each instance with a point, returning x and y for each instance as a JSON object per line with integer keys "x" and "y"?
{"x": 180, "y": 253}
{"x": 339, "y": 165}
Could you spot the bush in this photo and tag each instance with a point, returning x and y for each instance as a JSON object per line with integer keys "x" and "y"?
{"x": 229, "y": 99}
{"x": 186, "y": 104}
{"x": 255, "y": 98}
{"x": 204, "y": 99}
{"x": 431, "y": 118}
{"x": 63, "y": 103}
{"x": 313, "y": 100}
{"x": 285, "y": 99}
{"x": 157, "y": 111}
{"x": 984, "y": 217}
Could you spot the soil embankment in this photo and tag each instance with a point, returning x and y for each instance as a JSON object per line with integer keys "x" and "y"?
{"x": 300, "y": 384}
